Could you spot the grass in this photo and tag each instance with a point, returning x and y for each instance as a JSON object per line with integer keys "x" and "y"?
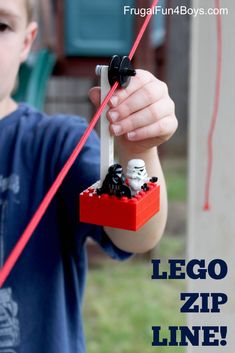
{"x": 176, "y": 178}
{"x": 123, "y": 303}
{"x": 170, "y": 247}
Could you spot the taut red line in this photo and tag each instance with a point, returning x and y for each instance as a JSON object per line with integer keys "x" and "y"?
{"x": 27, "y": 234}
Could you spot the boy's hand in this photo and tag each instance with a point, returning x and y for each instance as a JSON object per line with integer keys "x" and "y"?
{"x": 142, "y": 115}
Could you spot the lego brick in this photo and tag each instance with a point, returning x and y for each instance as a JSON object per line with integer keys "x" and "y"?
{"x": 123, "y": 213}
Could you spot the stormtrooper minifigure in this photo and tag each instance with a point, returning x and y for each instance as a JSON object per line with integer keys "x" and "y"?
{"x": 137, "y": 177}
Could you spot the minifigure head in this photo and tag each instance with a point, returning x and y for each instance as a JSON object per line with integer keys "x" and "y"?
{"x": 136, "y": 169}
{"x": 17, "y": 34}
{"x": 116, "y": 170}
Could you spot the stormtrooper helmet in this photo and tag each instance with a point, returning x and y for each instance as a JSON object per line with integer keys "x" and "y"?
{"x": 136, "y": 169}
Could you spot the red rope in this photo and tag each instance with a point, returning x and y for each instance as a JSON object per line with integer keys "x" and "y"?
{"x": 142, "y": 30}
{"x": 214, "y": 118}
{"x": 27, "y": 234}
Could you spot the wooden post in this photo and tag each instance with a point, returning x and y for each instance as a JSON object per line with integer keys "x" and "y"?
{"x": 212, "y": 233}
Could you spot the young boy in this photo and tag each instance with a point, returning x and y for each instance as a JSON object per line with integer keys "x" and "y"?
{"x": 40, "y": 303}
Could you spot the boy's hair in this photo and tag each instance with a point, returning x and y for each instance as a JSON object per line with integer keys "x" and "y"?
{"x": 30, "y": 7}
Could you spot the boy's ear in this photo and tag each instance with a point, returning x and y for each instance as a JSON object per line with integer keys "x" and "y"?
{"x": 30, "y": 35}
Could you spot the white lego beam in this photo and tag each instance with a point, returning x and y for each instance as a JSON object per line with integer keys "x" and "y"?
{"x": 107, "y": 141}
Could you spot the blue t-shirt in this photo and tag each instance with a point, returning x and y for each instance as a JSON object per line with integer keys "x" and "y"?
{"x": 40, "y": 303}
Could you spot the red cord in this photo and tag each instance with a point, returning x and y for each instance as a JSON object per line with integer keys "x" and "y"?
{"x": 142, "y": 30}
{"x": 27, "y": 234}
{"x": 214, "y": 118}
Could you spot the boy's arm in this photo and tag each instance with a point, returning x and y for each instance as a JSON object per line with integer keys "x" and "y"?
{"x": 142, "y": 117}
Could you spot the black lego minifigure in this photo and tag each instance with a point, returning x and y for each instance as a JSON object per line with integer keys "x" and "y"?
{"x": 114, "y": 183}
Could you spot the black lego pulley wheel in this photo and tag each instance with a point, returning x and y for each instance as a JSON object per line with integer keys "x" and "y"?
{"x": 121, "y": 70}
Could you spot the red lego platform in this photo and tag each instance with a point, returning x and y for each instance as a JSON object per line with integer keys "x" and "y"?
{"x": 123, "y": 213}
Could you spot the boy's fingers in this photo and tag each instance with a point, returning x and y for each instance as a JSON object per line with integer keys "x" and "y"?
{"x": 149, "y": 94}
{"x": 142, "y": 118}
{"x": 141, "y": 79}
{"x": 94, "y": 95}
{"x": 161, "y": 130}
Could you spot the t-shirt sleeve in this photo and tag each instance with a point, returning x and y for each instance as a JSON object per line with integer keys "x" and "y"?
{"x": 107, "y": 245}
{"x": 83, "y": 174}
